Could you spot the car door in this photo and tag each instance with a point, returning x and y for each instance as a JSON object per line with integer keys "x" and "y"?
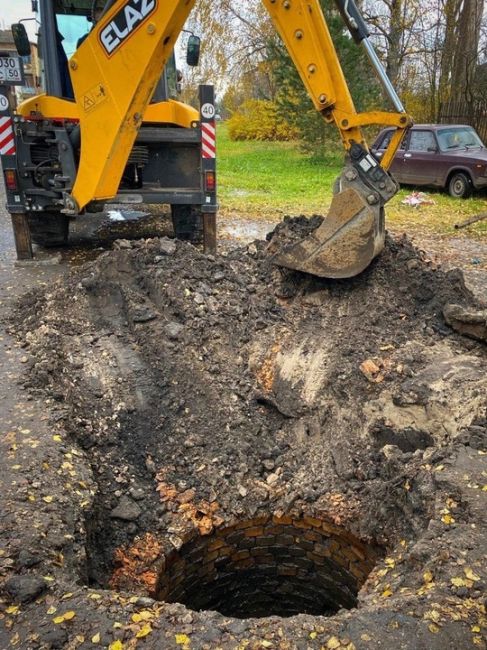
{"x": 420, "y": 158}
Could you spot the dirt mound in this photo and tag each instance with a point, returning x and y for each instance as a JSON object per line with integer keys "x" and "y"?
{"x": 244, "y": 421}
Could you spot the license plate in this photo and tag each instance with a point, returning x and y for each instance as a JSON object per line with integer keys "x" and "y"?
{"x": 10, "y": 70}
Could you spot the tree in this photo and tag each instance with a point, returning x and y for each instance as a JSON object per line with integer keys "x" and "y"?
{"x": 292, "y": 96}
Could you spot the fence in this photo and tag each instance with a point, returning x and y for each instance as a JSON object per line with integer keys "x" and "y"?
{"x": 463, "y": 112}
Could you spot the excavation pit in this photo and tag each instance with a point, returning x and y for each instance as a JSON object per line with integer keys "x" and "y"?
{"x": 269, "y": 567}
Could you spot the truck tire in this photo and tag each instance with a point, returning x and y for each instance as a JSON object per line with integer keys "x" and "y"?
{"x": 49, "y": 229}
{"x": 459, "y": 186}
{"x": 187, "y": 222}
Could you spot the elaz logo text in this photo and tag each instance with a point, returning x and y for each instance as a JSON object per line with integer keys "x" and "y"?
{"x": 125, "y": 22}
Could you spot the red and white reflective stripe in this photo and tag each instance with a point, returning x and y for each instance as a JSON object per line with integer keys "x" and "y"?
{"x": 7, "y": 139}
{"x": 208, "y": 139}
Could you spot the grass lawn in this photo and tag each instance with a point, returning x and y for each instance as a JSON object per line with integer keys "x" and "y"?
{"x": 272, "y": 179}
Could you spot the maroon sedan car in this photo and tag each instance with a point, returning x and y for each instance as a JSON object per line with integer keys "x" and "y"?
{"x": 452, "y": 157}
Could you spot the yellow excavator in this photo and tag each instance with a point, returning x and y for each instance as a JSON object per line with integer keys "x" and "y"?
{"x": 109, "y": 127}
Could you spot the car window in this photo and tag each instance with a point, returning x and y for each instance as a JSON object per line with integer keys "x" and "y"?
{"x": 456, "y": 138}
{"x": 422, "y": 141}
{"x": 386, "y": 140}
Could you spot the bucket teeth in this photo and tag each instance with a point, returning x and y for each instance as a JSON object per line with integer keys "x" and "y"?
{"x": 344, "y": 245}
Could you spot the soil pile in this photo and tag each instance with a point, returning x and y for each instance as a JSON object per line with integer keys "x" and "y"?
{"x": 212, "y": 395}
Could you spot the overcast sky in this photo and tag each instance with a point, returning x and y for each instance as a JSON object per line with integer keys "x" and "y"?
{"x": 11, "y": 11}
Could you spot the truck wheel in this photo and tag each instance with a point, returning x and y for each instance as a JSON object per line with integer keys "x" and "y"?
{"x": 459, "y": 186}
{"x": 49, "y": 229}
{"x": 187, "y": 222}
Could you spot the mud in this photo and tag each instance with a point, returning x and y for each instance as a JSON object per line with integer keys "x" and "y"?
{"x": 210, "y": 411}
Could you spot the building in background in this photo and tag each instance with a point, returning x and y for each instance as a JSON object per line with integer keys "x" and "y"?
{"x": 31, "y": 68}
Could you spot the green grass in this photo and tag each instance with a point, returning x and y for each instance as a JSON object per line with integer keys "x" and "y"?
{"x": 270, "y": 179}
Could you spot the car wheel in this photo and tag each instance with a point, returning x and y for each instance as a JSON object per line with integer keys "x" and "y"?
{"x": 459, "y": 186}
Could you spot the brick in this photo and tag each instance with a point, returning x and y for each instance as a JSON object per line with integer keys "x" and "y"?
{"x": 316, "y": 559}
{"x": 287, "y": 570}
{"x": 356, "y": 571}
{"x": 313, "y": 536}
{"x": 255, "y": 531}
{"x": 225, "y": 551}
{"x": 248, "y": 542}
{"x": 285, "y": 540}
{"x": 273, "y": 530}
{"x": 261, "y": 551}
{"x": 266, "y": 540}
{"x": 223, "y": 532}
{"x": 216, "y": 544}
{"x": 299, "y": 523}
{"x": 285, "y": 520}
{"x": 341, "y": 560}
{"x": 321, "y": 550}
{"x": 240, "y": 555}
{"x": 236, "y": 537}
{"x": 297, "y": 551}
{"x": 358, "y": 552}
{"x": 312, "y": 521}
{"x": 245, "y": 563}
{"x": 329, "y": 528}
{"x": 210, "y": 557}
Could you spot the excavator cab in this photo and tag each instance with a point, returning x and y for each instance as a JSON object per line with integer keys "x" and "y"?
{"x": 164, "y": 164}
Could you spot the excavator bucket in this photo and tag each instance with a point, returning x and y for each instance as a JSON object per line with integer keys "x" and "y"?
{"x": 345, "y": 244}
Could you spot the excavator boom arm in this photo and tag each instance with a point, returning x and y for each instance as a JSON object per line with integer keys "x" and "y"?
{"x": 114, "y": 73}
{"x": 115, "y": 70}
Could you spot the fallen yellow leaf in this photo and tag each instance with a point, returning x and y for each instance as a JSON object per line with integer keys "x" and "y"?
{"x": 471, "y": 575}
{"x": 95, "y": 596}
{"x": 57, "y": 438}
{"x": 433, "y": 628}
{"x": 144, "y": 631}
{"x": 448, "y": 519}
{"x": 459, "y": 582}
{"x": 116, "y": 645}
{"x": 313, "y": 635}
{"x": 427, "y": 576}
{"x": 68, "y": 616}
{"x": 52, "y": 610}
{"x": 182, "y": 639}
{"x": 386, "y": 593}
{"x": 96, "y": 638}
{"x": 333, "y": 643}
{"x": 13, "y": 609}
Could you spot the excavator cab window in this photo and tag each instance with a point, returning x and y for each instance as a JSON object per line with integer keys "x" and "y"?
{"x": 74, "y": 28}
{"x": 172, "y": 77}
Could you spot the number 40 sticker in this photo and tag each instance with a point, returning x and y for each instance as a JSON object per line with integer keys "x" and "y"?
{"x": 208, "y": 111}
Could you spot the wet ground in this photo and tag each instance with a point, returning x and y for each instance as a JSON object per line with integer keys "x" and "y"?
{"x": 165, "y": 415}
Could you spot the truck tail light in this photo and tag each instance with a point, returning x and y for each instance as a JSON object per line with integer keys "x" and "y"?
{"x": 210, "y": 181}
{"x": 11, "y": 180}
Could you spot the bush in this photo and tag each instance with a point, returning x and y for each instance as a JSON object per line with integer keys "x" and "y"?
{"x": 259, "y": 119}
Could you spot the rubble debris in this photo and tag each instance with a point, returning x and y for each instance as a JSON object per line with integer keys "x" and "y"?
{"x": 469, "y": 322}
